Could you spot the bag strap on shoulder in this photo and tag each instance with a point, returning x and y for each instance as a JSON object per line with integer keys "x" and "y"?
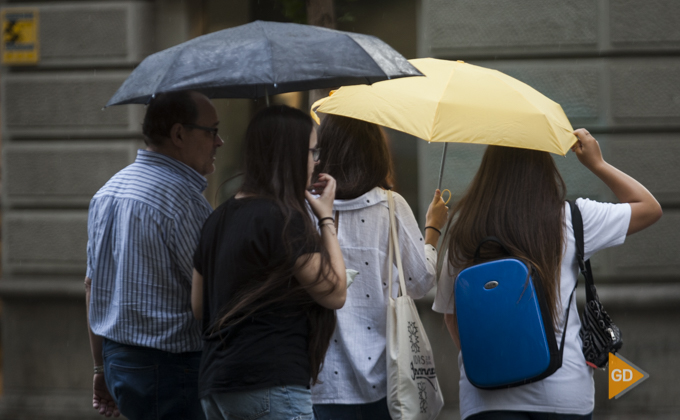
{"x": 394, "y": 249}
{"x": 584, "y": 266}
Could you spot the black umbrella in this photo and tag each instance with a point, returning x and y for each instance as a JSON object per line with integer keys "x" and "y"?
{"x": 261, "y": 59}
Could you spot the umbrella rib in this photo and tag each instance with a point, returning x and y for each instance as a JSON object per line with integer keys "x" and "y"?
{"x": 271, "y": 59}
{"x": 529, "y": 101}
{"x": 518, "y": 91}
{"x": 165, "y": 75}
{"x": 370, "y": 59}
{"x": 436, "y": 112}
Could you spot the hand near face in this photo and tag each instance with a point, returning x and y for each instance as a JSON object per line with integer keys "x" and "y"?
{"x": 322, "y": 206}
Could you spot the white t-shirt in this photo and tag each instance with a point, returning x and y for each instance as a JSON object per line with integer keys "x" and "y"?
{"x": 570, "y": 390}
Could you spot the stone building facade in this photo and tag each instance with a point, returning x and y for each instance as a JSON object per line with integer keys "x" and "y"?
{"x": 59, "y": 148}
{"x": 614, "y": 65}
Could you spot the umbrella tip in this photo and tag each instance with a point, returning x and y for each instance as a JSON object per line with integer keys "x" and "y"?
{"x": 274, "y": 85}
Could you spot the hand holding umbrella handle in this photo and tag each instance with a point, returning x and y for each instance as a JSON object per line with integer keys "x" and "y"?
{"x": 437, "y": 212}
{"x": 441, "y": 168}
{"x": 587, "y": 149}
{"x": 449, "y": 198}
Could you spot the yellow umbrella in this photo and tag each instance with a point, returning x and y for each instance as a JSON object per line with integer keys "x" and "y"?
{"x": 458, "y": 102}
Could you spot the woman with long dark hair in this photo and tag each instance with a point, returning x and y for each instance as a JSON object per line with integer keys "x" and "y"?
{"x": 267, "y": 279}
{"x": 518, "y": 196}
{"x": 353, "y": 383}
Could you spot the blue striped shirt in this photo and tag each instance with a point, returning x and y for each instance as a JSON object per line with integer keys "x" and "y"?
{"x": 143, "y": 228}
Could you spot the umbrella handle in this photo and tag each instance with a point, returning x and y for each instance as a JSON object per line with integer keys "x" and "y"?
{"x": 441, "y": 169}
{"x": 448, "y": 199}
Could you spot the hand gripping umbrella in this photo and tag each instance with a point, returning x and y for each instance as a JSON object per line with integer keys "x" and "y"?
{"x": 264, "y": 58}
{"x": 458, "y": 102}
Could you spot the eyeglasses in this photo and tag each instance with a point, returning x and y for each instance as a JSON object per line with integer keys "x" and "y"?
{"x": 316, "y": 152}
{"x": 211, "y": 130}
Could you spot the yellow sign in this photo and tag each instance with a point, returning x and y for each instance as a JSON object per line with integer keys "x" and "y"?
{"x": 623, "y": 376}
{"x": 20, "y": 36}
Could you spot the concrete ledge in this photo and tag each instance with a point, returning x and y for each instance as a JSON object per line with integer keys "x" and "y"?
{"x": 74, "y": 405}
{"x": 632, "y": 296}
{"x": 66, "y": 104}
{"x": 65, "y": 173}
{"x": 491, "y": 28}
{"x": 44, "y": 237}
{"x": 41, "y": 288}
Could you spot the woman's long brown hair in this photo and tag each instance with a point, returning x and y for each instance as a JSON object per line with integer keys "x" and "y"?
{"x": 356, "y": 154}
{"x": 518, "y": 196}
{"x": 276, "y": 156}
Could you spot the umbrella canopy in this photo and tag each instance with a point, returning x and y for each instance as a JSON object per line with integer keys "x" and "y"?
{"x": 264, "y": 58}
{"x": 458, "y": 102}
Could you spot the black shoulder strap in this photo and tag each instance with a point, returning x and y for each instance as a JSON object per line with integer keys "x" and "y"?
{"x": 579, "y": 252}
{"x": 584, "y": 266}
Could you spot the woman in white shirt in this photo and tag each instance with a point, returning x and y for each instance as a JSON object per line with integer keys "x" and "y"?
{"x": 519, "y": 196}
{"x": 353, "y": 381}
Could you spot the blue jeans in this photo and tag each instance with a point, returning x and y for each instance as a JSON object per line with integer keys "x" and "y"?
{"x": 371, "y": 411}
{"x": 291, "y": 402}
{"x": 151, "y": 384}
{"x": 526, "y": 415}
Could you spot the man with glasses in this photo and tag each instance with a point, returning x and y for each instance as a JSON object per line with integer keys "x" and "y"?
{"x": 143, "y": 227}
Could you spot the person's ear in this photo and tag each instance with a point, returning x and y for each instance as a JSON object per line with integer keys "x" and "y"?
{"x": 176, "y": 135}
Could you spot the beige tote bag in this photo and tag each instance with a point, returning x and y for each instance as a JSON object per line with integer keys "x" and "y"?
{"x": 413, "y": 391}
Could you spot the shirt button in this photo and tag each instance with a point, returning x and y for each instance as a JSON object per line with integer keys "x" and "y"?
{"x": 369, "y": 328}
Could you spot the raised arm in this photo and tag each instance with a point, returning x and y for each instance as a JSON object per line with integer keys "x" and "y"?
{"x": 331, "y": 291}
{"x": 645, "y": 210}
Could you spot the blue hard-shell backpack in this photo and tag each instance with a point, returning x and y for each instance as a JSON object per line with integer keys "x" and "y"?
{"x": 506, "y": 333}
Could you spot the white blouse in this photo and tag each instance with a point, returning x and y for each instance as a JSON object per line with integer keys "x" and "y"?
{"x": 354, "y": 369}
